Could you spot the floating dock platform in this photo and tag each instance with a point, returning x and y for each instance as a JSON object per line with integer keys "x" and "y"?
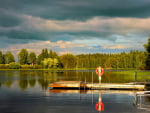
{"x": 95, "y": 86}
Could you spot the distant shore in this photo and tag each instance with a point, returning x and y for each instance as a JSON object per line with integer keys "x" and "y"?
{"x": 64, "y": 69}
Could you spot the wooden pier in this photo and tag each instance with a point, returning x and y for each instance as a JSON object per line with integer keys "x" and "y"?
{"x": 96, "y": 86}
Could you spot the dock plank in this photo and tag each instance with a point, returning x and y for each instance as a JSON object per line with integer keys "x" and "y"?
{"x": 82, "y": 85}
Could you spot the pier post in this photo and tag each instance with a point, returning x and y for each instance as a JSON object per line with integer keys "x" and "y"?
{"x": 85, "y": 83}
{"x": 92, "y": 79}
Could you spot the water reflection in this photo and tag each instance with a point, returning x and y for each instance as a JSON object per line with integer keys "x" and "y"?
{"x": 30, "y": 90}
{"x": 100, "y": 104}
{"x": 8, "y": 83}
{"x": 141, "y": 100}
{"x": 28, "y": 79}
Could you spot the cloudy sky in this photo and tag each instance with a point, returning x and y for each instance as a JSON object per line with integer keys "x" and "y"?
{"x": 75, "y": 26}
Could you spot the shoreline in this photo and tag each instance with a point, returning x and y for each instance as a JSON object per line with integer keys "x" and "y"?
{"x": 72, "y": 69}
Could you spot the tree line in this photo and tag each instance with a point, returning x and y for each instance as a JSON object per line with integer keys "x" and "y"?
{"x": 46, "y": 59}
{"x": 50, "y": 59}
{"x": 133, "y": 59}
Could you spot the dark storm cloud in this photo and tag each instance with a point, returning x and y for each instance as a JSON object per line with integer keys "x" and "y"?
{"x": 15, "y": 25}
{"x": 78, "y": 9}
{"x": 8, "y": 19}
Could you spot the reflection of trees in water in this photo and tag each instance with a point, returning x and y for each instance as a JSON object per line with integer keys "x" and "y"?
{"x": 8, "y": 83}
{"x": 32, "y": 78}
{"x": 46, "y": 78}
{"x": 9, "y": 78}
{"x": 27, "y": 78}
{"x": 108, "y": 77}
{"x": 79, "y": 76}
{"x": 0, "y": 84}
{"x": 23, "y": 84}
{"x": 32, "y": 82}
{"x": 44, "y": 84}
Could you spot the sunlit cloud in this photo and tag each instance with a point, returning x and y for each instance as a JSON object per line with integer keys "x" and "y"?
{"x": 115, "y": 47}
{"x": 64, "y": 52}
{"x": 122, "y": 25}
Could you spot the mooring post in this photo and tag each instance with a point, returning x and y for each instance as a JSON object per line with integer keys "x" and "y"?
{"x": 92, "y": 79}
{"x": 85, "y": 83}
{"x": 79, "y": 84}
{"x": 100, "y": 81}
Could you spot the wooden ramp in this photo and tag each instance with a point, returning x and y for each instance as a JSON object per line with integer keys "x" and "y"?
{"x": 81, "y": 85}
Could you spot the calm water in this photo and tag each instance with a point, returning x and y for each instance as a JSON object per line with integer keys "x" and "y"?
{"x": 28, "y": 92}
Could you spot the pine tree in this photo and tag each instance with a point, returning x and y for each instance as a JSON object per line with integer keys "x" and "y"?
{"x": 147, "y": 46}
{"x": 1, "y": 57}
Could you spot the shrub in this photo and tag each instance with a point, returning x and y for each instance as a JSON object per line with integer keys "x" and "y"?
{"x": 37, "y": 66}
{"x": 4, "y": 66}
{"x": 14, "y": 65}
{"x": 31, "y": 67}
{"x": 26, "y": 67}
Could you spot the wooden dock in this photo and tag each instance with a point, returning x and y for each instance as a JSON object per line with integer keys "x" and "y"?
{"x": 81, "y": 85}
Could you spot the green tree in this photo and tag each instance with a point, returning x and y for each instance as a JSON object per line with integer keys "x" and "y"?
{"x": 147, "y": 47}
{"x": 55, "y": 54}
{"x": 55, "y": 62}
{"x": 39, "y": 59}
{"x": 69, "y": 60}
{"x": 44, "y": 54}
{"x": 50, "y": 54}
{"x": 1, "y": 57}
{"x": 47, "y": 63}
{"x": 32, "y": 58}
{"x": 23, "y": 56}
{"x": 8, "y": 57}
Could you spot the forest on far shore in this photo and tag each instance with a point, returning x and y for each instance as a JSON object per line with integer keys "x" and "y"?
{"x": 49, "y": 59}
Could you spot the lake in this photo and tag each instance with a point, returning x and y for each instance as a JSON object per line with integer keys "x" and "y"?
{"x": 28, "y": 92}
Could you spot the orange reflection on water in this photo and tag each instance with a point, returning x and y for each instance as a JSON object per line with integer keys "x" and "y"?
{"x": 99, "y": 104}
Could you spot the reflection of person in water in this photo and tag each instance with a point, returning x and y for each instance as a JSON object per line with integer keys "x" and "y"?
{"x": 99, "y": 105}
